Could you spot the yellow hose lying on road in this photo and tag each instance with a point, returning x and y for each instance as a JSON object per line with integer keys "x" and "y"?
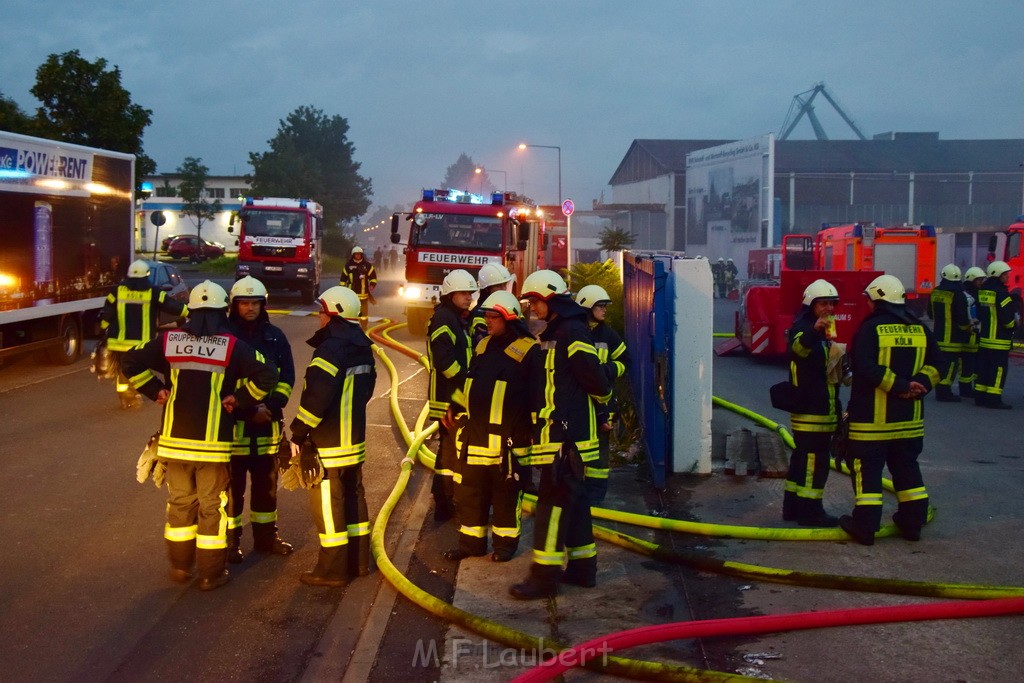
{"x": 619, "y": 666}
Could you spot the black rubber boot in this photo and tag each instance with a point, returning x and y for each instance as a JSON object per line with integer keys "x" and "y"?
{"x": 967, "y": 391}
{"x": 944, "y": 394}
{"x": 581, "y": 573}
{"x": 792, "y": 506}
{"x": 815, "y": 516}
{"x": 996, "y": 403}
{"x": 235, "y": 555}
{"x": 858, "y": 534}
{"x": 910, "y": 532}
{"x": 541, "y": 583}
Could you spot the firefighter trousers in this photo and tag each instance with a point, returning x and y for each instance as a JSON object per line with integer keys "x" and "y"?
{"x": 489, "y": 495}
{"x": 446, "y": 467}
{"x": 596, "y": 472}
{"x": 991, "y": 371}
{"x": 262, "y": 471}
{"x": 808, "y": 472}
{"x": 196, "y": 530}
{"x": 562, "y": 525}
{"x": 338, "y": 504}
{"x": 968, "y": 369}
{"x": 900, "y": 456}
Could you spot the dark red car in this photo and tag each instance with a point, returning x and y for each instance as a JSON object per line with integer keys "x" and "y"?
{"x": 193, "y": 248}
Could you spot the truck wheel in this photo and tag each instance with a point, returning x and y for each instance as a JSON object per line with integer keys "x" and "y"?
{"x": 417, "y": 319}
{"x": 70, "y": 346}
{"x": 309, "y": 293}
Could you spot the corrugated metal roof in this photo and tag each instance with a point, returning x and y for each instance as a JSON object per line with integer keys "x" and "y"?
{"x": 922, "y": 153}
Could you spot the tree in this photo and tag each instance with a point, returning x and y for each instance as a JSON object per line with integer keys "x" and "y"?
{"x": 462, "y": 175}
{"x": 193, "y": 193}
{"x": 84, "y": 103}
{"x": 12, "y": 118}
{"x": 311, "y": 157}
{"x": 615, "y": 239}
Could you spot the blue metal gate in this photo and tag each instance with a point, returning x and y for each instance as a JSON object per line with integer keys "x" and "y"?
{"x": 647, "y": 302}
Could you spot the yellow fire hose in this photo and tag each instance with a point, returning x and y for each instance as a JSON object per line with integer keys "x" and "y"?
{"x": 633, "y": 668}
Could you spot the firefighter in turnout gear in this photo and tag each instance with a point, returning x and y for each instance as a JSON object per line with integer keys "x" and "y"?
{"x": 449, "y": 352}
{"x": 997, "y": 320}
{"x": 950, "y": 311}
{"x": 208, "y": 373}
{"x": 492, "y": 277}
{"x": 130, "y": 317}
{"x": 810, "y": 350}
{"x": 259, "y": 430}
{"x": 894, "y": 357}
{"x": 614, "y": 359}
{"x": 565, "y": 440}
{"x": 496, "y": 426}
{"x": 332, "y": 414}
{"x": 360, "y": 276}
{"x": 974, "y": 278}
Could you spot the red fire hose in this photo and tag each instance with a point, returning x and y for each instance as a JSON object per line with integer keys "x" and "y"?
{"x": 595, "y": 649}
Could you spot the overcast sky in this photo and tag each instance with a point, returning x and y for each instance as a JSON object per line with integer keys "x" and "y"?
{"x": 421, "y": 82}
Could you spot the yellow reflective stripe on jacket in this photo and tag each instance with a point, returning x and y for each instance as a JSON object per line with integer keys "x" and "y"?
{"x": 798, "y": 348}
{"x": 324, "y": 365}
{"x": 581, "y": 346}
{"x": 451, "y": 370}
{"x": 214, "y": 413}
{"x": 444, "y": 329}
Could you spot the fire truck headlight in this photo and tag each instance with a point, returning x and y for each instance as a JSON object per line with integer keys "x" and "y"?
{"x": 302, "y": 270}
{"x": 411, "y": 292}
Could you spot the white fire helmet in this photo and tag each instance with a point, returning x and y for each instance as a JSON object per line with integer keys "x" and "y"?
{"x": 458, "y": 281}
{"x": 504, "y": 303}
{"x": 997, "y": 268}
{"x": 820, "y": 289}
{"x": 138, "y": 268}
{"x": 357, "y": 250}
{"x": 493, "y": 274}
{"x": 339, "y": 300}
{"x": 248, "y": 287}
{"x": 543, "y": 284}
{"x": 592, "y": 295}
{"x": 951, "y": 272}
{"x": 886, "y": 288}
{"x": 207, "y": 295}
{"x": 973, "y": 273}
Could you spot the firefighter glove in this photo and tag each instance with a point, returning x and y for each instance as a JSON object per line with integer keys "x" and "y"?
{"x": 289, "y": 478}
{"x": 147, "y": 461}
{"x": 159, "y": 473}
{"x": 312, "y": 472}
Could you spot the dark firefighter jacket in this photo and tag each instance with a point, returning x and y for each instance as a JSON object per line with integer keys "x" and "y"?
{"x": 996, "y": 318}
{"x": 263, "y": 439}
{"x": 449, "y": 353}
{"x": 129, "y": 314}
{"x": 477, "y": 324}
{"x": 808, "y": 372}
{"x": 504, "y": 371}
{"x": 339, "y": 383}
{"x": 200, "y": 370}
{"x": 572, "y": 376}
{"x": 951, "y": 313}
{"x": 891, "y": 348}
{"x": 614, "y": 358}
{"x": 359, "y": 276}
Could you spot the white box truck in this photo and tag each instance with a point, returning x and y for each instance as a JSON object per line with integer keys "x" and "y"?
{"x": 66, "y": 226}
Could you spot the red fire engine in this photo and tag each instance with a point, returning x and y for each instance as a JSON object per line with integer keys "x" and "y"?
{"x": 1012, "y": 252}
{"x": 451, "y": 229}
{"x": 279, "y": 243}
{"x": 849, "y": 256}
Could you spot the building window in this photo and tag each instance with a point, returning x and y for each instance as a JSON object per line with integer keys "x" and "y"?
{"x": 215, "y": 192}
{"x": 165, "y": 191}
{"x": 237, "y": 192}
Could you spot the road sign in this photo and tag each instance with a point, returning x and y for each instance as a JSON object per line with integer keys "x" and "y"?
{"x": 157, "y": 218}
{"x": 568, "y": 207}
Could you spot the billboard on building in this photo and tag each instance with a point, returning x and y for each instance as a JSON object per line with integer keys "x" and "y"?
{"x": 729, "y": 191}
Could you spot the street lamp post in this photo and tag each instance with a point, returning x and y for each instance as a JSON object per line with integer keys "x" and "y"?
{"x": 523, "y": 145}
{"x": 480, "y": 169}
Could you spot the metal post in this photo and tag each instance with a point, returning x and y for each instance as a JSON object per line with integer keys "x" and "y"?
{"x": 910, "y": 203}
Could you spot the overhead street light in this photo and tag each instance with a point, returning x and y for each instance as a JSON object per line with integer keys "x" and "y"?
{"x": 480, "y": 169}
{"x": 523, "y": 145}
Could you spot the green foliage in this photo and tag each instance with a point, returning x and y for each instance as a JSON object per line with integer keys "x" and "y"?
{"x": 615, "y": 239}
{"x": 83, "y": 102}
{"x": 222, "y": 265}
{"x": 311, "y": 157}
{"x": 338, "y": 245}
{"x": 192, "y": 189}
{"x": 12, "y": 118}
{"x": 462, "y": 175}
{"x": 606, "y": 275}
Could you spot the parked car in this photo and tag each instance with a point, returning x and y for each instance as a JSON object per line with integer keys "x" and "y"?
{"x": 194, "y": 248}
{"x": 166, "y": 242}
{"x": 166, "y": 277}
